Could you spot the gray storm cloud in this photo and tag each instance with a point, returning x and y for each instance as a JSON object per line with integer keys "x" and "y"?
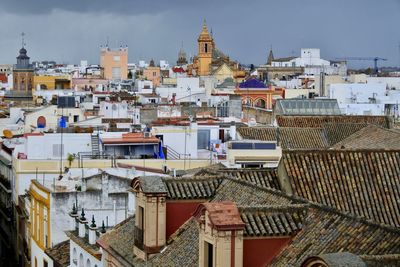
{"x": 68, "y": 31}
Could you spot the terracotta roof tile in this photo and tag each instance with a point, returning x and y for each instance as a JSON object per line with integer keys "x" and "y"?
{"x": 192, "y": 188}
{"x": 364, "y": 182}
{"x": 327, "y": 231}
{"x": 336, "y": 132}
{"x": 223, "y": 215}
{"x": 318, "y": 121}
{"x": 120, "y": 240}
{"x": 371, "y": 137}
{"x": 59, "y": 253}
{"x": 273, "y": 220}
{"x": 267, "y": 178}
{"x": 289, "y": 137}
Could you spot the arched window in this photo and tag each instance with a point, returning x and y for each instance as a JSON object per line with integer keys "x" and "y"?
{"x": 205, "y": 48}
{"x": 81, "y": 263}
{"x": 260, "y": 103}
{"x": 74, "y": 256}
{"x": 88, "y": 263}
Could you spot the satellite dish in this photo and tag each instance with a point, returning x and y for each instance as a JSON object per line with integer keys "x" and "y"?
{"x": 8, "y": 134}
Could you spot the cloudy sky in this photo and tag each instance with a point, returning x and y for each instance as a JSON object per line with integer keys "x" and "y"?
{"x": 68, "y": 31}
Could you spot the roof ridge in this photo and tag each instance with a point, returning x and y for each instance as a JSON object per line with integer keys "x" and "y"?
{"x": 274, "y": 208}
{"x": 192, "y": 178}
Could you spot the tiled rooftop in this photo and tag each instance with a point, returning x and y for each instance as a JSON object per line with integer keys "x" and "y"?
{"x": 318, "y": 121}
{"x": 327, "y": 231}
{"x": 364, "y": 182}
{"x": 289, "y": 137}
{"x": 59, "y": 253}
{"x": 268, "y": 212}
{"x": 267, "y": 178}
{"x": 192, "y": 188}
{"x": 152, "y": 184}
{"x": 223, "y": 215}
{"x": 120, "y": 239}
{"x": 371, "y": 137}
{"x": 273, "y": 221}
{"x": 336, "y": 132}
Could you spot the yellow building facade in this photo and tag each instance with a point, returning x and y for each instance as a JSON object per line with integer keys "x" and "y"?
{"x": 205, "y": 49}
{"x": 51, "y": 82}
{"x": 40, "y": 215}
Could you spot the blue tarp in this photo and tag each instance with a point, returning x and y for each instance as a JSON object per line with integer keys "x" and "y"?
{"x": 62, "y": 122}
{"x": 161, "y": 152}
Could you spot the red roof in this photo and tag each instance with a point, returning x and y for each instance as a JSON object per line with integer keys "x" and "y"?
{"x": 32, "y": 134}
{"x": 178, "y": 70}
{"x": 3, "y": 78}
{"x": 223, "y": 216}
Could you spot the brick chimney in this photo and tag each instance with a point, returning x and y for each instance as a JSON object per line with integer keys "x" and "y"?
{"x": 221, "y": 234}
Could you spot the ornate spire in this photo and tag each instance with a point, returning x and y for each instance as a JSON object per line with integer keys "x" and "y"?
{"x": 93, "y": 225}
{"x": 23, "y": 39}
{"x": 103, "y": 228}
{"x": 82, "y": 218}
{"x": 74, "y": 211}
{"x": 270, "y": 57}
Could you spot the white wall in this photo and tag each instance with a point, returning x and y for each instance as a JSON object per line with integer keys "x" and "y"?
{"x": 110, "y": 109}
{"x": 390, "y": 82}
{"x": 175, "y": 137}
{"x": 52, "y": 115}
{"x": 361, "y": 93}
{"x": 182, "y": 92}
{"x": 41, "y": 147}
{"x": 362, "y": 109}
{"x": 39, "y": 254}
{"x": 74, "y": 261}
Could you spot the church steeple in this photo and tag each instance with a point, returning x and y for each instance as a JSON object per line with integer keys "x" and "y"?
{"x": 206, "y": 47}
{"x": 270, "y": 57}
{"x": 181, "y": 57}
{"x": 23, "y": 70}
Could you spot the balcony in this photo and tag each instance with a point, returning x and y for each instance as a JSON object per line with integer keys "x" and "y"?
{"x": 138, "y": 238}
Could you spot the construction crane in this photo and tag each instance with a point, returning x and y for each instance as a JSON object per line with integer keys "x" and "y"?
{"x": 375, "y": 59}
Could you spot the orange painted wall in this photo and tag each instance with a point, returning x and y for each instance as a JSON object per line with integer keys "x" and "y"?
{"x": 178, "y": 213}
{"x": 260, "y": 252}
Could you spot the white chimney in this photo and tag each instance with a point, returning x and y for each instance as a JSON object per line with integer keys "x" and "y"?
{"x": 92, "y": 232}
{"x": 73, "y": 217}
{"x": 82, "y": 224}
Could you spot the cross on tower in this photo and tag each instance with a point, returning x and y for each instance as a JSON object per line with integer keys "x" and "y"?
{"x": 23, "y": 40}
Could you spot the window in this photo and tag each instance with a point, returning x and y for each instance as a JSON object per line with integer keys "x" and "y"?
{"x": 81, "y": 264}
{"x": 88, "y": 264}
{"x": 45, "y": 263}
{"x": 76, "y": 118}
{"x": 208, "y": 254}
{"x": 36, "y": 262}
{"x": 154, "y": 74}
{"x": 206, "y": 48}
{"x": 116, "y": 73}
{"x": 117, "y": 58}
{"x": 74, "y": 256}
